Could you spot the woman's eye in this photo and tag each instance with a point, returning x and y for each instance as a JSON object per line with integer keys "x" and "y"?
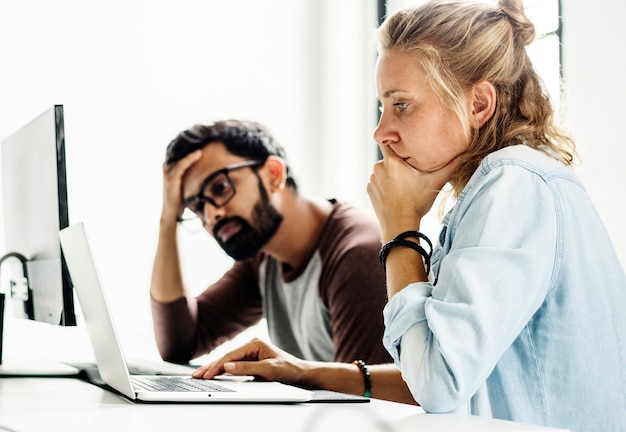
{"x": 402, "y": 106}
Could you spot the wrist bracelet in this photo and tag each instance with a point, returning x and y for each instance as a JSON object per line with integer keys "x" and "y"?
{"x": 417, "y": 234}
{"x": 400, "y": 240}
{"x": 366, "y": 377}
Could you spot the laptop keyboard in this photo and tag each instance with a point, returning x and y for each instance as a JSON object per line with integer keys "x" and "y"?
{"x": 176, "y": 384}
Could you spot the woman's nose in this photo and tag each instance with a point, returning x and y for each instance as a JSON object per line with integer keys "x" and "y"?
{"x": 383, "y": 134}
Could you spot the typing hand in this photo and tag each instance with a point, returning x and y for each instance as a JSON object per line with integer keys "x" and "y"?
{"x": 259, "y": 359}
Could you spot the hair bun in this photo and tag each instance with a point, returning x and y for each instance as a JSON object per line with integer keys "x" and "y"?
{"x": 523, "y": 28}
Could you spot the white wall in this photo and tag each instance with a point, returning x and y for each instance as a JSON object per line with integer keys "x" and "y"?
{"x": 594, "y": 61}
{"x": 131, "y": 74}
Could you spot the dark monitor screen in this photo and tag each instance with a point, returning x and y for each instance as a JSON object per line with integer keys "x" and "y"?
{"x": 34, "y": 201}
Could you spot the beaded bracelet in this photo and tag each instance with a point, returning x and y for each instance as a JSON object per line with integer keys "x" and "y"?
{"x": 400, "y": 240}
{"x": 366, "y": 377}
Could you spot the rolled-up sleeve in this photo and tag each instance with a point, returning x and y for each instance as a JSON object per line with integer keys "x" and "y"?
{"x": 404, "y": 310}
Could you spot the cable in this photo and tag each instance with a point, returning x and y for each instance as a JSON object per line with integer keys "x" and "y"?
{"x": 28, "y": 301}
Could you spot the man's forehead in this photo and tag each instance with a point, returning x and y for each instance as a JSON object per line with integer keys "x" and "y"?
{"x": 214, "y": 158}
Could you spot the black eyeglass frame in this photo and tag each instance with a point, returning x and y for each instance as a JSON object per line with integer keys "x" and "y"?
{"x": 200, "y": 197}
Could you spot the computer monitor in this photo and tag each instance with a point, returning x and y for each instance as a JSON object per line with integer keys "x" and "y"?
{"x": 34, "y": 200}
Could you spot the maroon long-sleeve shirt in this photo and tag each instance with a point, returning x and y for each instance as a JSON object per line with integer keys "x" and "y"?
{"x": 329, "y": 309}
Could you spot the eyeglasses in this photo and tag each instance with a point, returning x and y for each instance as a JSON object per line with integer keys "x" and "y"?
{"x": 217, "y": 189}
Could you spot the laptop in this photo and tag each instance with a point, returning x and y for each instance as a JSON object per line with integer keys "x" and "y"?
{"x": 110, "y": 359}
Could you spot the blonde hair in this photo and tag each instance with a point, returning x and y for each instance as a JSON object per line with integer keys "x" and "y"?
{"x": 461, "y": 43}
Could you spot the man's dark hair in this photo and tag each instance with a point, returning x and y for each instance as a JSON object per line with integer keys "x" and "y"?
{"x": 242, "y": 138}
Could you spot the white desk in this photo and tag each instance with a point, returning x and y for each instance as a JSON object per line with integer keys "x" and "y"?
{"x": 69, "y": 404}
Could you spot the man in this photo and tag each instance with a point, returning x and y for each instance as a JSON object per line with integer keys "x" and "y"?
{"x": 309, "y": 266}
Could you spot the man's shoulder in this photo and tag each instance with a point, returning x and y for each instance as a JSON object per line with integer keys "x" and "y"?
{"x": 350, "y": 225}
{"x": 348, "y": 215}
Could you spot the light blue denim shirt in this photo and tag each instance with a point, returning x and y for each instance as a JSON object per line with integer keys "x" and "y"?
{"x": 527, "y": 318}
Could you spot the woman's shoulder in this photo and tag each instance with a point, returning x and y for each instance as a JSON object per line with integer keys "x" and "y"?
{"x": 526, "y": 157}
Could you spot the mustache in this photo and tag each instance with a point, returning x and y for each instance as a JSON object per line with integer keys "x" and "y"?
{"x": 236, "y": 219}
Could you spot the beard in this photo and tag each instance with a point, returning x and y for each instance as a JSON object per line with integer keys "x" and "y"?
{"x": 249, "y": 240}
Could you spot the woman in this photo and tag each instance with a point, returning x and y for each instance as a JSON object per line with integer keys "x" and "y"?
{"x": 521, "y": 316}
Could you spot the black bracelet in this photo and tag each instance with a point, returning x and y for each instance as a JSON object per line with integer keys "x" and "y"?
{"x": 417, "y": 234}
{"x": 366, "y": 377}
{"x": 400, "y": 240}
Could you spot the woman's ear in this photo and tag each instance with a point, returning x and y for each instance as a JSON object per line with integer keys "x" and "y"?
{"x": 483, "y": 103}
{"x": 277, "y": 170}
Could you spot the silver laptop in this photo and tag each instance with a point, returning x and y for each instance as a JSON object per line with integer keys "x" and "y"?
{"x": 112, "y": 363}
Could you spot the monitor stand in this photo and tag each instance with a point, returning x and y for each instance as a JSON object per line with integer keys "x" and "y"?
{"x": 30, "y": 368}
